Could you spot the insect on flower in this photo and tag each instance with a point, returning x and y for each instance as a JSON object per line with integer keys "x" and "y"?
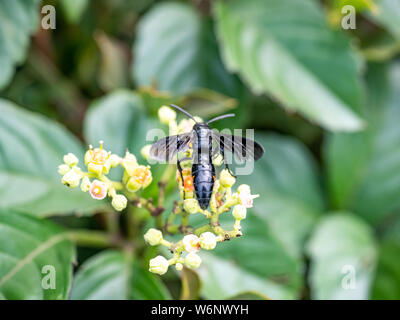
{"x": 206, "y": 144}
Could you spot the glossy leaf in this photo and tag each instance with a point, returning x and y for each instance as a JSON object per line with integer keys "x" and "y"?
{"x": 110, "y": 275}
{"x": 31, "y": 252}
{"x": 176, "y": 51}
{"x": 18, "y": 20}
{"x": 343, "y": 258}
{"x": 31, "y": 148}
{"x": 286, "y": 49}
{"x": 363, "y": 168}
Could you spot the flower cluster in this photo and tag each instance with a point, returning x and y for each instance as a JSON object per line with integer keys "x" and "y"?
{"x": 206, "y": 237}
{"x": 95, "y": 181}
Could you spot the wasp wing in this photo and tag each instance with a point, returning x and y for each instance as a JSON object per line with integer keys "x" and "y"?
{"x": 244, "y": 149}
{"x": 166, "y": 148}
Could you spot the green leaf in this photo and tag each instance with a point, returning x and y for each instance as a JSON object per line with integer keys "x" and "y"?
{"x": 342, "y": 250}
{"x": 250, "y": 295}
{"x": 176, "y": 51}
{"x": 387, "y": 279}
{"x": 18, "y": 20}
{"x": 31, "y": 148}
{"x": 223, "y": 279}
{"x": 112, "y": 275}
{"x": 363, "y": 168}
{"x": 388, "y": 15}
{"x": 191, "y": 284}
{"x": 27, "y": 245}
{"x": 74, "y": 9}
{"x": 285, "y": 48}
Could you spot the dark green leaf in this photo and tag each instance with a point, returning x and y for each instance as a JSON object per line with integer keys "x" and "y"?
{"x": 285, "y": 48}
{"x": 27, "y": 245}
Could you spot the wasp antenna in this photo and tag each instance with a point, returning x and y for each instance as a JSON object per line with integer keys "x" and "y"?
{"x": 184, "y": 111}
{"x": 229, "y": 115}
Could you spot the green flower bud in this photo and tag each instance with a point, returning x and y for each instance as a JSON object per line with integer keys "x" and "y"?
{"x": 226, "y": 179}
{"x": 208, "y": 240}
{"x": 71, "y": 160}
{"x": 119, "y": 202}
{"x": 63, "y": 169}
{"x": 166, "y": 114}
{"x": 239, "y": 212}
{"x": 179, "y": 266}
{"x": 191, "y": 206}
{"x": 71, "y": 179}
{"x": 158, "y": 265}
{"x": 153, "y": 237}
{"x": 192, "y": 260}
{"x": 85, "y": 185}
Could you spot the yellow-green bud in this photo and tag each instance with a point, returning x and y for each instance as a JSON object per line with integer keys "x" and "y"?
{"x": 119, "y": 202}
{"x": 218, "y": 160}
{"x": 208, "y": 241}
{"x": 115, "y": 160}
{"x": 153, "y": 237}
{"x": 243, "y": 188}
{"x": 95, "y": 168}
{"x": 158, "y": 265}
{"x": 85, "y": 185}
{"x": 226, "y": 179}
{"x": 166, "y": 114}
{"x": 71, "y": 160}
{"x": 132, "y": 185}
{"x": 179, "y": 266}
{"x": 71, "y": 179}
{"x": 239, "y": 212}
{"x": 129, "y": 163}
{"x": 145, "y": 152}
{"x": 192, "y": 260}
{"x": 191, "y": 206}
{"x": 63, "y": 169}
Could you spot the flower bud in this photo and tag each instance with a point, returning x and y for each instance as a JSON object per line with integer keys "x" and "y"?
{"x": 245, "y": 197}
{"x": 129, "y": 163}
{"x": 98, "y": 190}
{"x": 179, "y": 266}
{"x": 208, "y": 241}
{"x": 192, "y": 260}
{"x": 71, "y": 179}
{"x": 166, "y": 114}
{"x": 145, "y": 152}
{"x": 191, "y": 206}
{"x": 239, "y": 212}
{"x": 119, "y": 202}
{"x": 85, "y": 185}
{"x": 158, "y": 265}
{"x": 226, "y": 179}
{"x": 114, "y": 160}
{"x": 191, "y": 243}
{"x": 218, "y": 160}
{"x": 153, "y": 237}
{"x": 71, "y": 160}
{"x": 132, "y": 185}
{"x": 95, "y": 168}
{"x": 63, "y": 169}
{"x": 243, "y": 188}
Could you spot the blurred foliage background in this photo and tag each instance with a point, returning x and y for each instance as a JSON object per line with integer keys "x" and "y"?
{"x": 325, "y": 103}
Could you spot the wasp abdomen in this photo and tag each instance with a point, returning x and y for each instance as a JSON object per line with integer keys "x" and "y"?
{"x": 203, "y": 181}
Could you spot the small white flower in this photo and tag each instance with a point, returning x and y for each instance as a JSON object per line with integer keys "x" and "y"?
{"x": 119, "y": 202}
{"x": 85, "y": 185}
{"x": 71, "y": 160}
{"x": 166, "y": 114}
{"x": 226, "y": 179}
{"x": 191, "y": 243}
{"x": 245, "y": 196}
{"x": 153, "y": 237}
{"x": 71, "y": 179}
{"x": 208, "y": 241}
{"x": 239, "y": 212}
{"x": 192, "y": 260}
{"x": 63, "y": 169}
{"x": 158, "y": 265}
{"x": 98, "y": 190}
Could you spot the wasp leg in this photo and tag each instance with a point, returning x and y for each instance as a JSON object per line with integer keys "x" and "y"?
{"x": 178, "y": 164}
{"x": 226, "y": 164}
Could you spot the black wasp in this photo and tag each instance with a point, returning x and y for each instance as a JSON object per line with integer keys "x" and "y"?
{"x": 206, "y": 144}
